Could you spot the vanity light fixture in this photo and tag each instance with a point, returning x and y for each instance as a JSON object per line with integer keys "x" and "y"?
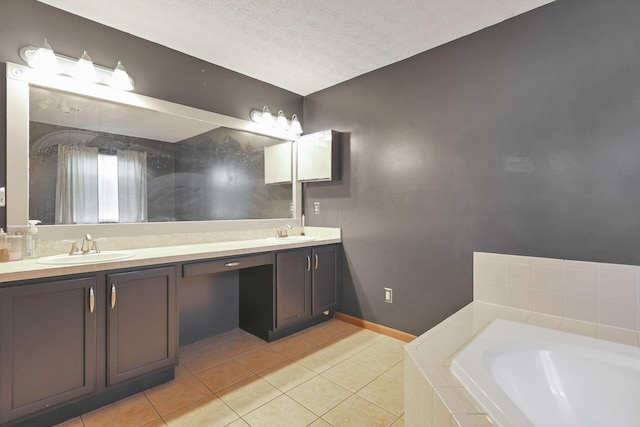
{"x": 266, "y": 119}
{"x": 45, "y": 59}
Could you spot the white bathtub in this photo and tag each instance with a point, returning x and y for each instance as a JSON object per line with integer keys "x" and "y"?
{"x": 524, "y": 376}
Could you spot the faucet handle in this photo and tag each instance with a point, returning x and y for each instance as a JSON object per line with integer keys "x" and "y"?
{"x": 74, "y": 247}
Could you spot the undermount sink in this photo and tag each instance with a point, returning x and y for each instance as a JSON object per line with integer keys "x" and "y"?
{"x": 291, "y": 239}
{"x": 92, "y": 258}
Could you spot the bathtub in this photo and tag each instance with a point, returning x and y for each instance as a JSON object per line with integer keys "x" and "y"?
{"x": 525, "y": 376}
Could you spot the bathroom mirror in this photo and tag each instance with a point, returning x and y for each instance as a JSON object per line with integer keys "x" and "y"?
{"x": 154, "y": 162}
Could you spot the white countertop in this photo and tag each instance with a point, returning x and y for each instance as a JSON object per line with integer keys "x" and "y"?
{"x": 31, "y": 269}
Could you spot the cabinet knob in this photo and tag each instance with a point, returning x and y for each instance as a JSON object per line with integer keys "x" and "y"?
{"x": 113, "y": 295}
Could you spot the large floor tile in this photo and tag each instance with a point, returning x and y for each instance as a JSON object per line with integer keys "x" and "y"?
{"x": 176, "y": 394}
{"x": 350, "y": 375}
{"x": 248, "y": 395}
{"x": 287, "y": 375}
{"x": 319, "y": 395}
{"x": 292, "y": 346}
{"x": 381, "y": 356}
{"x": 261, "y": 359}
{"x": 357, "y": 411}
{"x": 208, "y": 412}
{"x": 280, "y": 412}
{"x": 241, "y": 345}
{"x": 224, "y": 375}
{"x": 319, "y": 360}
{"x": 386, "y": 393}
{"x": 134, "y": 411}
{"x": 205, "y": 358}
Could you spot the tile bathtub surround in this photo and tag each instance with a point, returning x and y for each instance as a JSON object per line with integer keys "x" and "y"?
{"x": 606, "y": 294}
{"x": 435, "y": 398}
{"x": 333, "y": 374}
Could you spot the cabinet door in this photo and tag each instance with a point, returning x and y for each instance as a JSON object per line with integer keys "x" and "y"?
{"x": 293, "y": 287}
{"x": 325, "y": 278}
{"x": 48, "y": 352}
{"x": 142, "y": 323}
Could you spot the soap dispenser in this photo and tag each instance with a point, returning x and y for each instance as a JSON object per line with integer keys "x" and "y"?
{"x": 32, "y": 244}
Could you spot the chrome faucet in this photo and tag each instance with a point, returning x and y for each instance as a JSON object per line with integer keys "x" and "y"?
{"x": 89, "y": 244}
{"x": 283, "y": 231}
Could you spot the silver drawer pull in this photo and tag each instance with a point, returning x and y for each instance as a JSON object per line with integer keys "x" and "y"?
{"x": 232, "y": 264}
{"x": 113, "y": 295}
{"x": 308, "y": 263}
{"x": 316, "y": 266}
{"x": 92, "y": 300}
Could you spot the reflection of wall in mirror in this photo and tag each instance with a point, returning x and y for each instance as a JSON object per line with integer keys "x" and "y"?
{"x": 220, "y": 175}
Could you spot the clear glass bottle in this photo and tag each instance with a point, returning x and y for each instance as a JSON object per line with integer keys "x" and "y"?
{"x": 4, "y": 246}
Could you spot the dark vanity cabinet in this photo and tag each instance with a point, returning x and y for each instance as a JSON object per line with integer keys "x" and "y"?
{"x": 53, "y": 336}
{"x": 48, "y": 353}
{"x": 324, "y": 283}
{"x": 293, "y": 287}
{"x": 141, "y": 323}
{"x": 306, "y": 283}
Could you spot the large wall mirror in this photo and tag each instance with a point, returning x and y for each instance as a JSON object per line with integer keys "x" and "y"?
{"x": 119, "y": 163}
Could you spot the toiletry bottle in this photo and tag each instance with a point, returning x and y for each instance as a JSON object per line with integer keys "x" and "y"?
{"x": 4, "y": 246}
{"x": 32, "y": 243}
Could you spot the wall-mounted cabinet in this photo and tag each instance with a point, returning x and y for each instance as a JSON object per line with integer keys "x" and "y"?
{"x": 277, "y": 163}
{"x": 319, "y": 156}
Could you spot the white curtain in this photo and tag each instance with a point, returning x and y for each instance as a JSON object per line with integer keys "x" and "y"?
{"x": 77, "y": 182}
{"x": 132, "y": 186}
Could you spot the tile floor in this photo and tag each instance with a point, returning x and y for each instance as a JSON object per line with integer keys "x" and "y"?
{"x": 333, "y": 374}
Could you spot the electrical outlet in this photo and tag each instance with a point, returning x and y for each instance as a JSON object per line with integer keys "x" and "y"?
{"x": 3, "y": 199}
{"x": 316, "y": 207}
{"x": 388, "y": 295}
{"x": 290, "y": 208}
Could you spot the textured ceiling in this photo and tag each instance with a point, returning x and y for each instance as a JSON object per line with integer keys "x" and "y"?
{"x": 299, "y": 45}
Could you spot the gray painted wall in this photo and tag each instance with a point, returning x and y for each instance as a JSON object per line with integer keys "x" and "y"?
{"x": 523, "y": 138}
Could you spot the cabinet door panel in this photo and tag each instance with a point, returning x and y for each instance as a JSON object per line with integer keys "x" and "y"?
{"x": 48, "y": 353}
{"x": 293, "y": 287}
{"x": 325, "y": 279}
{"x": 142, "y": 322}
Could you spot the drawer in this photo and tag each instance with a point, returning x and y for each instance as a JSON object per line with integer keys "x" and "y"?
{"x": 225, "y": 264}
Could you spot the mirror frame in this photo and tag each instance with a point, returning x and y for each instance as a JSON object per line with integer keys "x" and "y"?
{"x": 19, "y": 79}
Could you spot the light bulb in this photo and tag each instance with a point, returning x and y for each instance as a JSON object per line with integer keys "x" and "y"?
{"x": 84, "y": 69}
{"x": 120, "y": 78}
{"x": 281, "y": 121}
{"x": 295, "y": 125}
{"x": 45, "y": 59}
{"x": 267, "y": 118}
